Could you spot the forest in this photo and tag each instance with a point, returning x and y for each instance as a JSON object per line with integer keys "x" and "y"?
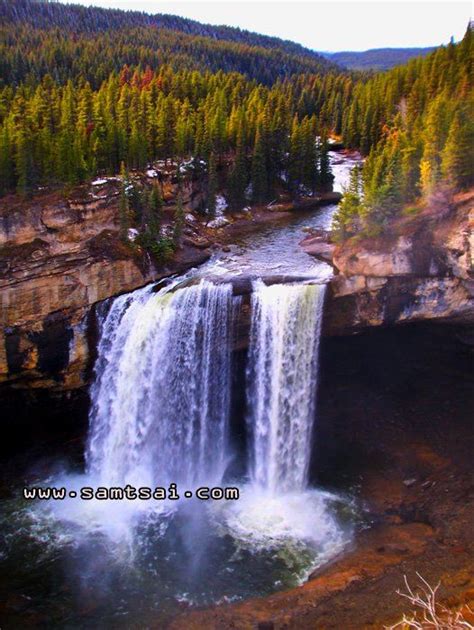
{"x": 171, "y": 88}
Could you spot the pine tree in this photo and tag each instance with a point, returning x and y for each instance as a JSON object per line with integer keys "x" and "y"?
{"x": 178, "y": 220}
{"x": 212, "y": 187}
{"x": 151, "y": 216}
{"x": 124, "y": 205}
{"x": 309, "y": 170}
{"x": 346, "y": 220}
{"x": 238, "y": 175}
{"x": 326, "y": 178}
{"x": 24, "y": 164}
{"x": 457, "y": 159}
{"x": 259, "y": 170}
{"x": 296, "y": 157}
{"x": 7, "y": 175}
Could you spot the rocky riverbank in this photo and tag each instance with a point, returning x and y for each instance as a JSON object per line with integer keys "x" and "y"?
{"x": 60, "y": 256}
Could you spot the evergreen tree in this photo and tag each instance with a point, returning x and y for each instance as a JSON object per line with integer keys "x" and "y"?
{"x": 212, "y": 187}
{"x": 24, "y": 164}
{"x": 296, "y": 157}
{"x": 151, "y": 215}
{"x": 7, "y": 176}
{"x": 259, "y": 170}
{"x": 238, "y": 175}
{"x": 178, "y": 220}
{"x": 346, "y": 220}
{"x": 457, "y": 159}
{"x": 326, "y": 178}
{"x": 124, "y": 205}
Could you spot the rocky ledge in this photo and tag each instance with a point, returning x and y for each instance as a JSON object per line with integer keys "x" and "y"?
{"x": 420, "y": 269}
{"x": 59, "y": 257}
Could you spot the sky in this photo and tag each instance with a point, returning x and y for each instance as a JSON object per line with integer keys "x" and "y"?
{"x": 325, "y": 25}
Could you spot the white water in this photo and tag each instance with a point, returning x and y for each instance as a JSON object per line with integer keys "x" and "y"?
{"x": 282, "y": 383}
{"x": 279, "y": 510}
{"x": 160, "y": 402}
{"x": 160, "y": 414}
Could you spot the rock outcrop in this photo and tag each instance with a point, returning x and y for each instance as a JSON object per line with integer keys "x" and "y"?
{"x": 421, "y": 270}
{"x": 58, "y": 258}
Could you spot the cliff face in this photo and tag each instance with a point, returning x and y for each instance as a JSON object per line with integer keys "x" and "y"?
{"x": 57, "y": 259}
{"x": 421, "y": 270}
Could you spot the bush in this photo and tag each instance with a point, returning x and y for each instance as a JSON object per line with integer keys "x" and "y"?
{"x": 428, "y": 614}
{"x": 161, "y": 248}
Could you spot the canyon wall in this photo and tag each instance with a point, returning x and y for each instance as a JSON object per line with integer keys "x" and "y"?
{"x": 58, "y": 258}
{"x": 421, "y": 269}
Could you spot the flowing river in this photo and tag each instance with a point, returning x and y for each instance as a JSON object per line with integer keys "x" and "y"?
{"x": 160, "y": 417}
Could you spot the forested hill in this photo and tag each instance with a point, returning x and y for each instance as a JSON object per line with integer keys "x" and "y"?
{"x": 50, "y": 37}
{"x": 74, "y": 105}
{"x": 377, "y": 58}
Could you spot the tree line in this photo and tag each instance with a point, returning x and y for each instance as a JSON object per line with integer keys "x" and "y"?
{"x": 416, "y": 126}
{"x": 53, "y": 133}
{"x": 85, "y": 90}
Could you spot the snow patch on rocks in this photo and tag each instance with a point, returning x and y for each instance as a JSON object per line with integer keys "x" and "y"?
{"x": 221, "y": 205}
{"x": 218, "y": 222}
{"x": 132, "y": 234}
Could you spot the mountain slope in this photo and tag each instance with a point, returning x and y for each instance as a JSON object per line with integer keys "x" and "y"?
{"x": 377, "y": 58}
{"x": 70, "y": 31}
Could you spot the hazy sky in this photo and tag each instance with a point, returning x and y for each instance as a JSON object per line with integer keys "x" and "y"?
{"x": 325, "y": 25}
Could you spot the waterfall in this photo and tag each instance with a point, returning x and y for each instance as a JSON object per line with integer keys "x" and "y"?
{"x": 161, "y": 396}
{"x": 160, "y": 413}
{"x": 281, "y": 383}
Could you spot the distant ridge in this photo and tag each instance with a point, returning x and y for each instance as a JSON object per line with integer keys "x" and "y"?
{"x": 376, "y": 58}
{"x": 260, "y": 57}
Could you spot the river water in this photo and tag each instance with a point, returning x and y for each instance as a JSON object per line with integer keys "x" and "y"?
{"x": 160, "y": 414}
{"x": 275, "y": 249}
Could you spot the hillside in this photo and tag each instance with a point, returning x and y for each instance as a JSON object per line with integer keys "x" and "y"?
{"x": 377, "y": 58}
{"x": 61, "y": 34}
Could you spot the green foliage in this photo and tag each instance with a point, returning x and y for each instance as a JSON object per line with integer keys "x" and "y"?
{"x": 457, "y": 158}
{"x": 238, "y": 175}
{"x": 150, "y": 218}
{"x": 54, "y": 134}
{"x": 346, "y": 221}
{"x": 124, "y": 204}
{"x": 260, "y": 188}
{"x": 178, "y": 221}
{"x": 325, "y": 176}
{"x": 423, "y": 140}
{"x": 160, "y": 248}
{"x": 212, "y": 187}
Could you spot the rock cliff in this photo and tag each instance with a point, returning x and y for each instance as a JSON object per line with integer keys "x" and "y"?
{"x": 420, "y": 269}
{"x": 59, "y": 257}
